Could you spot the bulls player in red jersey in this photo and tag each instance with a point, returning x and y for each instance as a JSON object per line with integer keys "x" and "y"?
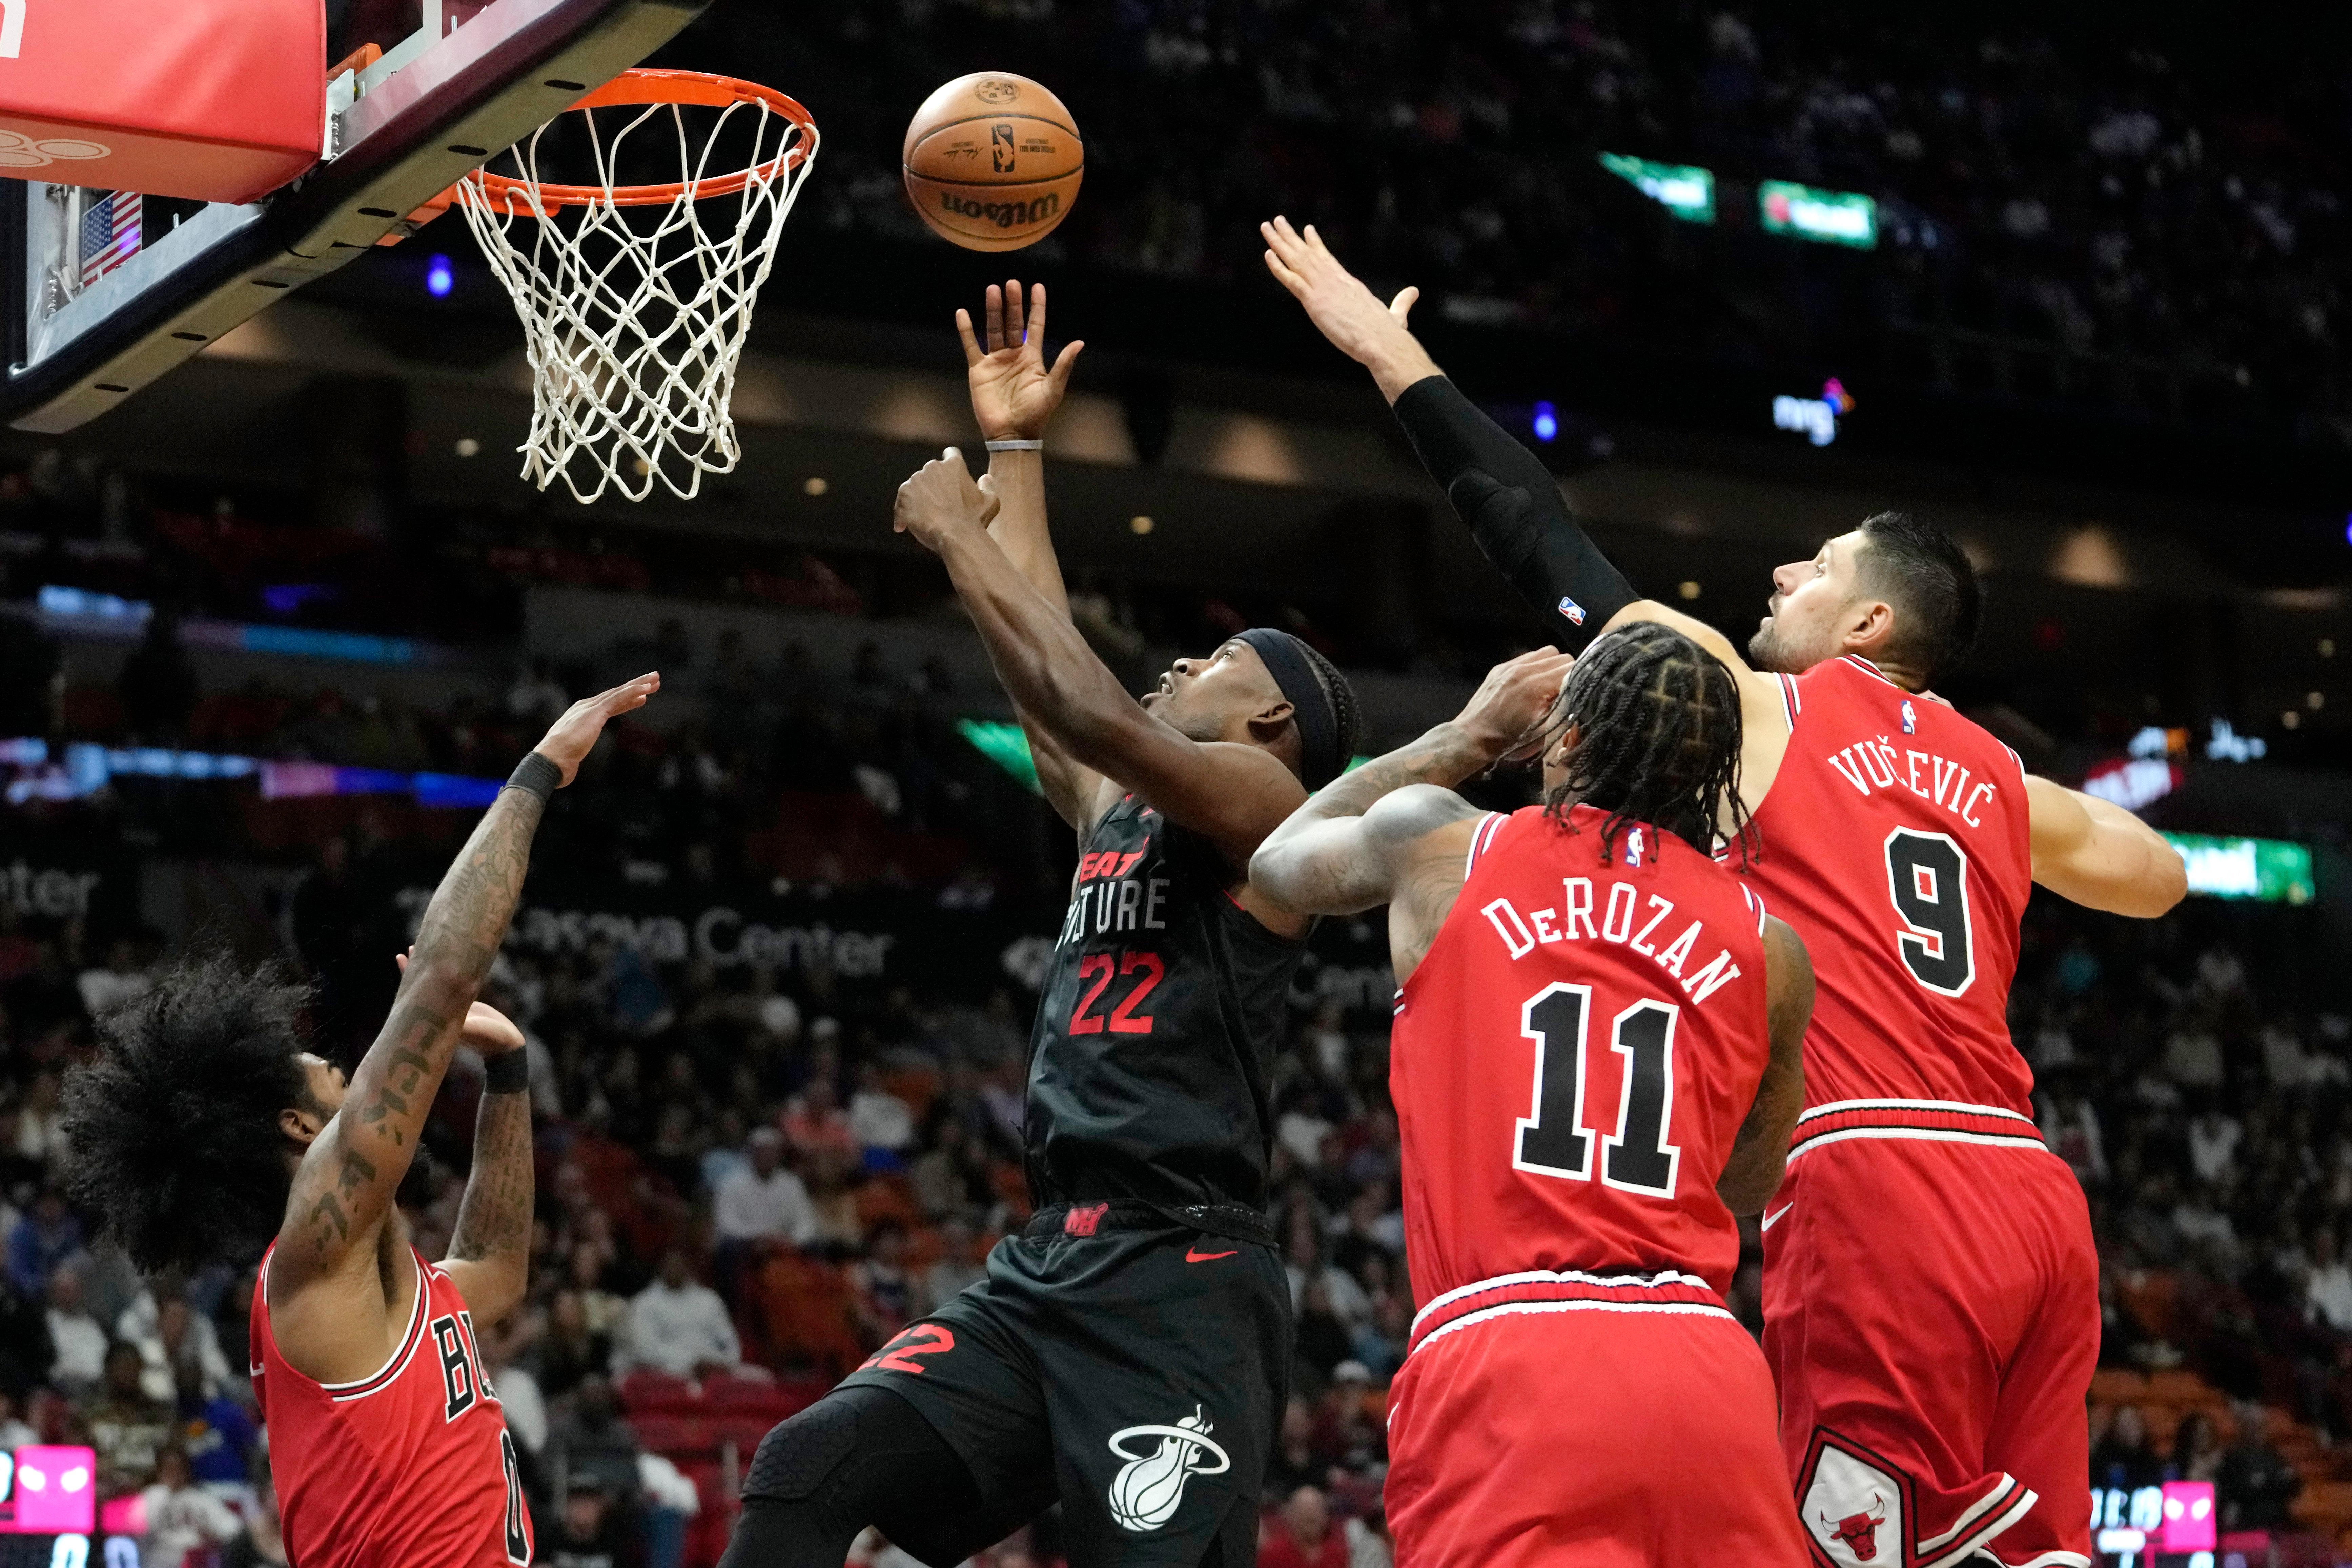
{"x": 1930, "y": 1285}
{"x": 206, "y": 1126}
{"x": 1597, "y": 1058}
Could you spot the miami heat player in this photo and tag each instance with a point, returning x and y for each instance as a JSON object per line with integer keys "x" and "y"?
{"x": 1930, "y": 1285}
{"x": 205, "y": 1123}
{"x": 1596, "y": 1060}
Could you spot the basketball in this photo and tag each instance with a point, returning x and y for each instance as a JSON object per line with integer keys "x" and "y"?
{"x": 993, "y": 161}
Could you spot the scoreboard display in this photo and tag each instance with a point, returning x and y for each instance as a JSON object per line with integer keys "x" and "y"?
{"x": 2170, "y": 1526}
{"x": 49, "y": 1516}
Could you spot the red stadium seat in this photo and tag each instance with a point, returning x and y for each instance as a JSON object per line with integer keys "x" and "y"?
{"x": 648, "y": 1392}
{"x": 676, "y": 1436}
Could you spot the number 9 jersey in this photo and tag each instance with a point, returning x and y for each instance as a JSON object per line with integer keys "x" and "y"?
{"x": 1896, "y": 840}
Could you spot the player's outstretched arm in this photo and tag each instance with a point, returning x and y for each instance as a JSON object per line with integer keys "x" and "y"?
{"x": 1761, "y": 1153}
{"x": 345, "y": 1184}
{"x": 1231, "y": 795}
{"x": 1014, "y": 395}
{"x": 2100, "y": 855}
{"x": 1380, "y": 834}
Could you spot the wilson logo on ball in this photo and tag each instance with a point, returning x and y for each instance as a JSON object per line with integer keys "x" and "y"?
{"x": 1149, "y": 1487}
{"x": 1003, "y": 215}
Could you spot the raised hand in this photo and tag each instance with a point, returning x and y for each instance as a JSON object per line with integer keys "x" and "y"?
{"x": 1013, "y": 391}
{"x": 941, "y": 498}
{"x": 1507, "y": 714}
{"x": 1336, "y": 301}
{"x": 568, "y": 741}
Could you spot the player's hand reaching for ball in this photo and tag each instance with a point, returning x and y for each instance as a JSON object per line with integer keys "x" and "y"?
{"x": 1373, "y": 334}
{"x": 1013, "y": 391}
{"x": 942, "y": 498}
{"x": 570, "y": 738}
{"x": 487, "y": 1031}
{"x": 1507, "y": 716}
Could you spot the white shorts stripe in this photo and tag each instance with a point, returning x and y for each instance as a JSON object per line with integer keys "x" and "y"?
{"x": 1568, "y": 1277}
{"x": 1949, "y": 1107}
{"x": 1924, "y": 1134}
{"x": 1970, "y": 1514}
{"x": 2009, "y": 1516}
{"x": 1513, "y": 1309}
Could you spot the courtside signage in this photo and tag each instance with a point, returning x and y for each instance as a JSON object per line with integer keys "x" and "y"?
{"x": 1683, "y": 189}
{"x": 1832, "y": 218}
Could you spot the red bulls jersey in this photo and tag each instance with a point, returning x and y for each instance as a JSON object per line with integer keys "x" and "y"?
{"x": 1570, "y": 1064}
{"x": 410, "y": 1466}
{"x": 1895, "y": 839}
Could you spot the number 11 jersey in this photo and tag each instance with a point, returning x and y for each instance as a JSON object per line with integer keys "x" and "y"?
{"x": 1896, "y": 839}
{"x": 1571, "y": 1063}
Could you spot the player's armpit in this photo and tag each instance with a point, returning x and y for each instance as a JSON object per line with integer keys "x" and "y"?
{"x": 1318, "y": 863}
{"x": 1761, "y": 1153}
{"x": 2096, "y": 854}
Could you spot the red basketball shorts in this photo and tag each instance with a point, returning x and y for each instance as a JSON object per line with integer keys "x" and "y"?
{"x": 1931, "y": 1314}
{"x": 1612, "y": 1431}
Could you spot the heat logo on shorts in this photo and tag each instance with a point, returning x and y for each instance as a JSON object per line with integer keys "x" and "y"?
{"x": 1149, "y": 1487}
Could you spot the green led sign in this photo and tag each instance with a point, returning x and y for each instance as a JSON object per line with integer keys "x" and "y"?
{"x": 1005, "y": 744}
{"x": 1832, "y": 217}
{"x": 2269, "y": 870}
{"x": 1683, "y": 189}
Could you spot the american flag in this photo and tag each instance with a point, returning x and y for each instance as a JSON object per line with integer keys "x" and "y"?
{"x": 110, "y": 234}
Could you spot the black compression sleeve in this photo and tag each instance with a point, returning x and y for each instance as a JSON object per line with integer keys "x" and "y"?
{"x": 1513, "y": 506}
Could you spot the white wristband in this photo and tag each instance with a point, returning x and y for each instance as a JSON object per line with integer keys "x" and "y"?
{"x": 1016, "y": 445}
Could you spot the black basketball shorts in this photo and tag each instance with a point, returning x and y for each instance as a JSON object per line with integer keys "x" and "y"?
{"x": 1132, "y": 1369}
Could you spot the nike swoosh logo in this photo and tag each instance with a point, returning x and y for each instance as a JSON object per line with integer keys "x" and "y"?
{"x": 1195, "y": 1255}
{"x": 1772, "y": 1219}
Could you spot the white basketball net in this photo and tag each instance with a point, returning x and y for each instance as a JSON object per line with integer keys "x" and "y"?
{"x": 635, "y": 316}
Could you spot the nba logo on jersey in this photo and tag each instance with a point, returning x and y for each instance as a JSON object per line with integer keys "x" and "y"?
{"x": 1573, "y": 610}
{"x": 1633, "y": 847}
{"x": 1910, "y": 718}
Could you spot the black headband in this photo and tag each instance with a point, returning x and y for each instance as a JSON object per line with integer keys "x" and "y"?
{"x": 1310, "y": 706}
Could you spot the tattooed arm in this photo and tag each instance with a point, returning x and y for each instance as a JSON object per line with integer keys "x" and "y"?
{"x": 343, "y": 1189}
{"x": 489, "y": 1254}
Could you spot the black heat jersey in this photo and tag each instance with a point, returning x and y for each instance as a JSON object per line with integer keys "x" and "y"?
{"x": 1160, "y": 1017}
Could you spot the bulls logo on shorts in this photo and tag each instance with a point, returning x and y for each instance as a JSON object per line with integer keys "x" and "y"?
{"x": 1856, "y": 1505}
{"x": 1149, "y": 1487}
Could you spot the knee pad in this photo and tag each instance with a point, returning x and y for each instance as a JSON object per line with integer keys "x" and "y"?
{"x": 799, "y": 1456}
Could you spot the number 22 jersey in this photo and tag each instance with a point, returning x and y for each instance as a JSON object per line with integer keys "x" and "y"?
{"x": 1160, "y": 1013}
{"x": 1896, "y": 839}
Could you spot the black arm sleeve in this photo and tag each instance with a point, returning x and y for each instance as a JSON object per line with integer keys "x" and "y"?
{"x": 1513, "y": 506}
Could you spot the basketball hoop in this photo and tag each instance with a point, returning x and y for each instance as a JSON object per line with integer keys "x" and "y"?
{"x": 634, "y": 329}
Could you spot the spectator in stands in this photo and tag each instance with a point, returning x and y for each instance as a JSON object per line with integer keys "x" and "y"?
{"x": 2255, "y": 1482}
{"x": 2193, "y": 1056}
{"x": 603, "y": 1311}
{"x": 169, "y": 1334}
{"x": 39, "y": 1136}
{"x": 593, "y": 1444}
{"x": 814, "y": 1121}
{"x": 128, "y": 1426}
{"x": 184, "y": 1522}
{"x": 679, "y": 1325}
{"x": 2213, "y": 1144}
{"x": 2197, "y": 1451}
{"x": 261, "y": 1545}
{"x": 519, "y": 1395}
{"x": 957, "y": 1269}
{"x": 216, "y": 1431}
{"x": 878, "y": 1283}
{"x": 2123, "y": 1456}
{"x": 79, "y": 1343}
{"x": 43, "y": 1238}
{"x": 570, "y": 1352}
{"x": 762, "y": 1201}
{"x": 592, "y": 1531}
{"x": 2328, "y": 1294}
{"x": 1303, "y": 1535}
{"x": 881, "y": 1124}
